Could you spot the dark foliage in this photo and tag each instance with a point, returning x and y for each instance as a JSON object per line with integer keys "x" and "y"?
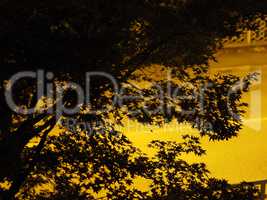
{"x": 121, "y": 38}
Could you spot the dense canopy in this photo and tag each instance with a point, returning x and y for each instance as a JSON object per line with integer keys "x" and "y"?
{"x": 122, "y": 39}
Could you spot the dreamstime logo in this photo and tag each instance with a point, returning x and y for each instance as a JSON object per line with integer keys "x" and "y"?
{"x": 45, "y": 88}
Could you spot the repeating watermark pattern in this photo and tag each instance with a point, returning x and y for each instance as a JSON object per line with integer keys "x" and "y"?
{"x": 45, "y": 88}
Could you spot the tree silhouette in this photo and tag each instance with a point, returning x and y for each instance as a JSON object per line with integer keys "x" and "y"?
{"x": 119, "y": 38}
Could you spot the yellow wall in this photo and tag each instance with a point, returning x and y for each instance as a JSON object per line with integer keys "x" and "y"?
{"x": 239, "y": 159}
